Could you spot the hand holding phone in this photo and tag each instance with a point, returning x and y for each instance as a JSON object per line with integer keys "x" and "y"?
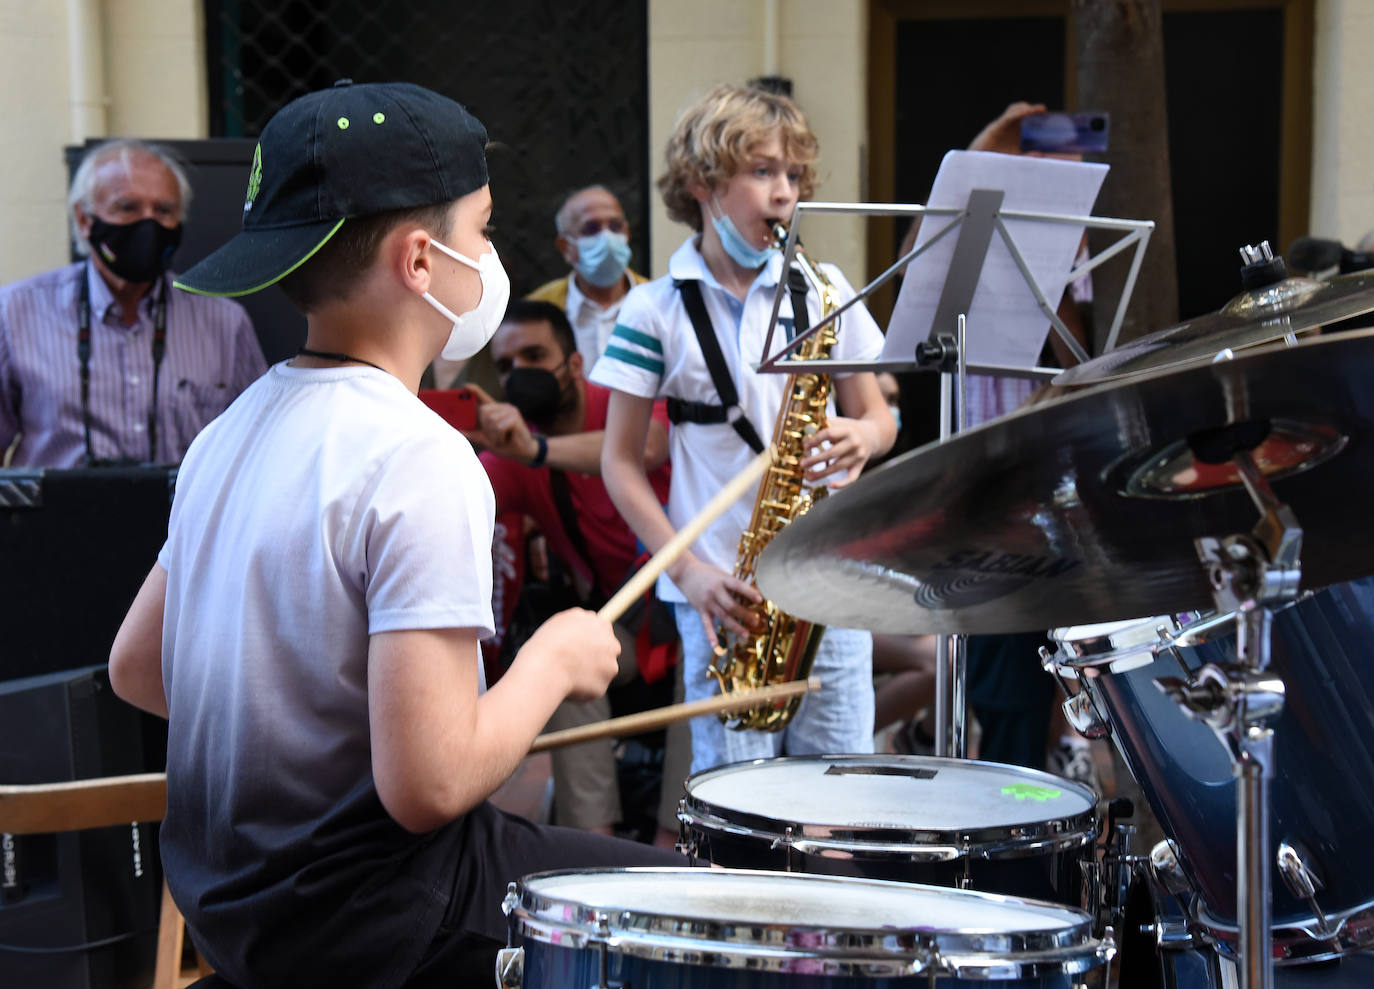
{"x": 1065, "y": 133}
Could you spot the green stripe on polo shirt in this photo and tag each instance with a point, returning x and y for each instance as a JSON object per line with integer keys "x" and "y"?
{"x": 636, "y": 337}
{"x": 631, "y": 357}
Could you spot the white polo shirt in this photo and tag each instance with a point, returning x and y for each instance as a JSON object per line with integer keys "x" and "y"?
{"x": 653, "y": 353}
{"x": 592, "y": 323}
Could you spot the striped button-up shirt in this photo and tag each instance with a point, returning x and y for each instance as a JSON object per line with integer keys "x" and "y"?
{"x": 212, "y": 354}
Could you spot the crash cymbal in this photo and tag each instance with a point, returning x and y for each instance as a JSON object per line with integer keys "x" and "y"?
{"x": 1084, "y": 509}
{"x": 1260, "y": 316}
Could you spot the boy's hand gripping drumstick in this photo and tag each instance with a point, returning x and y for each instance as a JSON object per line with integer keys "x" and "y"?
{"x": 631, "y": 592}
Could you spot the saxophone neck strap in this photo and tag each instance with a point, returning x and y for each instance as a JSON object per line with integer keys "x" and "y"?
{"x": 680, "y": 410}
{"x": 796, "y": 286}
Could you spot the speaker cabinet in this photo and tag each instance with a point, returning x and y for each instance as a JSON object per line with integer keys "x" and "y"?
{"x": 78, "y": 910}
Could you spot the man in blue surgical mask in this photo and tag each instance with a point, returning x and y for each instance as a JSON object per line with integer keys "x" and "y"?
{"x": 594, "y": 238}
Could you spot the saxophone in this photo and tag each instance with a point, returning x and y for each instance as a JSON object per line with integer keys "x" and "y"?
{"x": 784, "y": 647}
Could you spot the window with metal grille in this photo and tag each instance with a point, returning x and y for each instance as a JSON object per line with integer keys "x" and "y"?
{"x": 561, "y": 85}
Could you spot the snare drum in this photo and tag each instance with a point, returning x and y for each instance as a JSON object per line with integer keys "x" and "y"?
{"x": 947, "y": 822}
{"x": 684, "y": 928}
{"x": 1322, "y": 794}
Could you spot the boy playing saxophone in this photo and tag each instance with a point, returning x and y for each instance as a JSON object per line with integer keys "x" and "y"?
{"x": 737, "y": 163}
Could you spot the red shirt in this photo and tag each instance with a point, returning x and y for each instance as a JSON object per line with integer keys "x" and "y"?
{"x": 528, "y": 490}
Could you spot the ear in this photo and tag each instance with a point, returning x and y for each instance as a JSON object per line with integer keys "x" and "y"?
{"x": 575, "y": 363}
{"x": 700, "y": 191}
{"x": 83, "y": 220}
{"x": 566, "y": 248}
{"x": 407, "y": 252}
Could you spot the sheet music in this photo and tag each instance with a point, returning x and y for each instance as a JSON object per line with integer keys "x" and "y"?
{"x": 1005, "y": 324}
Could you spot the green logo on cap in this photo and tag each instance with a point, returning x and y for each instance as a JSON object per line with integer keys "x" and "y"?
{"x": 254, "y": 179}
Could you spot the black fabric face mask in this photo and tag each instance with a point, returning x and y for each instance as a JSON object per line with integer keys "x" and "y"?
{"x": 136, "y": 252}
{"x": 536, "y": 393}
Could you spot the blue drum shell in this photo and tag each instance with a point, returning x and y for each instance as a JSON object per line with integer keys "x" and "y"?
{"x": 1322, "y": 794}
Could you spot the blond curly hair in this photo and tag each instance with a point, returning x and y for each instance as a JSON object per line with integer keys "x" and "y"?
{"x": 714, "y": 136}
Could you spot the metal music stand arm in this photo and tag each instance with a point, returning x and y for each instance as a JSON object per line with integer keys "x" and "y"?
{"x": 1136, "y": 234}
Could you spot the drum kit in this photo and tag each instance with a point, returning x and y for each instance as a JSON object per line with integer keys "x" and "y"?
{"x": 1184, "y": 518}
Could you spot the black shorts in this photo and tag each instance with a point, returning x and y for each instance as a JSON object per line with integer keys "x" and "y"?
{"x": 499, "y": 848}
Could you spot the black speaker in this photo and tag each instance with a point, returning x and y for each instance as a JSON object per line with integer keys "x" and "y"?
{"x": 78, "y": 910}
{"x": 76, "y": 545}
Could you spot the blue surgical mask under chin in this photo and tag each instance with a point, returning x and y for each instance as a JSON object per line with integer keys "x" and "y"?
{"x": 602, "y": 257}
{"x": 743, "y": 253}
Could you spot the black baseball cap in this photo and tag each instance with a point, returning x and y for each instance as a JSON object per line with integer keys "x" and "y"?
{"x": 338, "y": 154}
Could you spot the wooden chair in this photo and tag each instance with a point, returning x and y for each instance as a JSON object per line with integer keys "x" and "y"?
{"x": 45, "y": 808}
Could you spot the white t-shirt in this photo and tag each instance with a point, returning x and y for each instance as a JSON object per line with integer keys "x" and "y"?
{"x": 322, "y": 506}
{"x": 654, "y": 353}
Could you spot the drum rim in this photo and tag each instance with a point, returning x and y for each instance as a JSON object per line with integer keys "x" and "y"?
{"x": 877, "y": 951}
{"x": 1295, "y": 941}
{"x": 1105, "y": 643}
{"x": 1017, "y": 840}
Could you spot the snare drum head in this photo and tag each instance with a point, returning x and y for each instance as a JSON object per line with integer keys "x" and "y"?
{"x": 798, "y": 922}
{"x": 951, "y": 797}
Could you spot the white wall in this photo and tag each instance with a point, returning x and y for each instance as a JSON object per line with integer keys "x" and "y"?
{"x": 151, "y": 67}
{"x": 1342, "y": 121}
{"x": 819, "y": 45}
{"x": 34, "y": 119}
{"x": 154, "y": 84}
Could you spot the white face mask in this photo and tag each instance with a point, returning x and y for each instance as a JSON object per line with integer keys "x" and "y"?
{"x": 474, "y": 328}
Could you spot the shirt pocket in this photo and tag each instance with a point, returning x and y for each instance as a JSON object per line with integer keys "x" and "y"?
{"x": 193, "y": 405}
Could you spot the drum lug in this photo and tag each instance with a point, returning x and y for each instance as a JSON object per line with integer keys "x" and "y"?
{"x": 1302, "y": 881}
{"x": 1084, "y": 718}
{"x": 1167, "y": 870}
{"x": 603, "y": 942}
{"x": 785, "y": 841}
{"x": 1078, "y": 708}
{"x": 510, "y": 968}
{"x": 686, "y": 844}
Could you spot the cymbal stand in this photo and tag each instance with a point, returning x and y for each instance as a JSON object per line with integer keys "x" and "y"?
{"x": 1251, "y": 574}
{"x": 946, "y": 354}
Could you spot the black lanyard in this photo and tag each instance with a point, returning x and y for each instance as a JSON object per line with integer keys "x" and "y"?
{"x": 83, "y": 354}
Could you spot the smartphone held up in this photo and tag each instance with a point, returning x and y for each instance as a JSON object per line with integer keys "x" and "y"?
{"x": 1065, "y": 133}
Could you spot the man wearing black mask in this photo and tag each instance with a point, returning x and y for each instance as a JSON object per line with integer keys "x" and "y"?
{"x": 101, "y": 361}
{"x": 543, "y": 456}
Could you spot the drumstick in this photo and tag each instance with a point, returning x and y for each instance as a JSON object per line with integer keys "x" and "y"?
{"x": 673, "y": 548}
{"x": 635, "y": 724}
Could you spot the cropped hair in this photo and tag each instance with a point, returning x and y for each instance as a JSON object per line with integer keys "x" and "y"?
{"x": 535, "y": 311}
{"x": 714, "y": 137}
{"x": 124, "y": 148}
{"x": 562, "y": 220}
{"x": 334, "y": 271}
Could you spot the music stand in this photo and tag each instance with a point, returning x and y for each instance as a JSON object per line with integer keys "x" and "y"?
{"x": 944, "y": 348}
